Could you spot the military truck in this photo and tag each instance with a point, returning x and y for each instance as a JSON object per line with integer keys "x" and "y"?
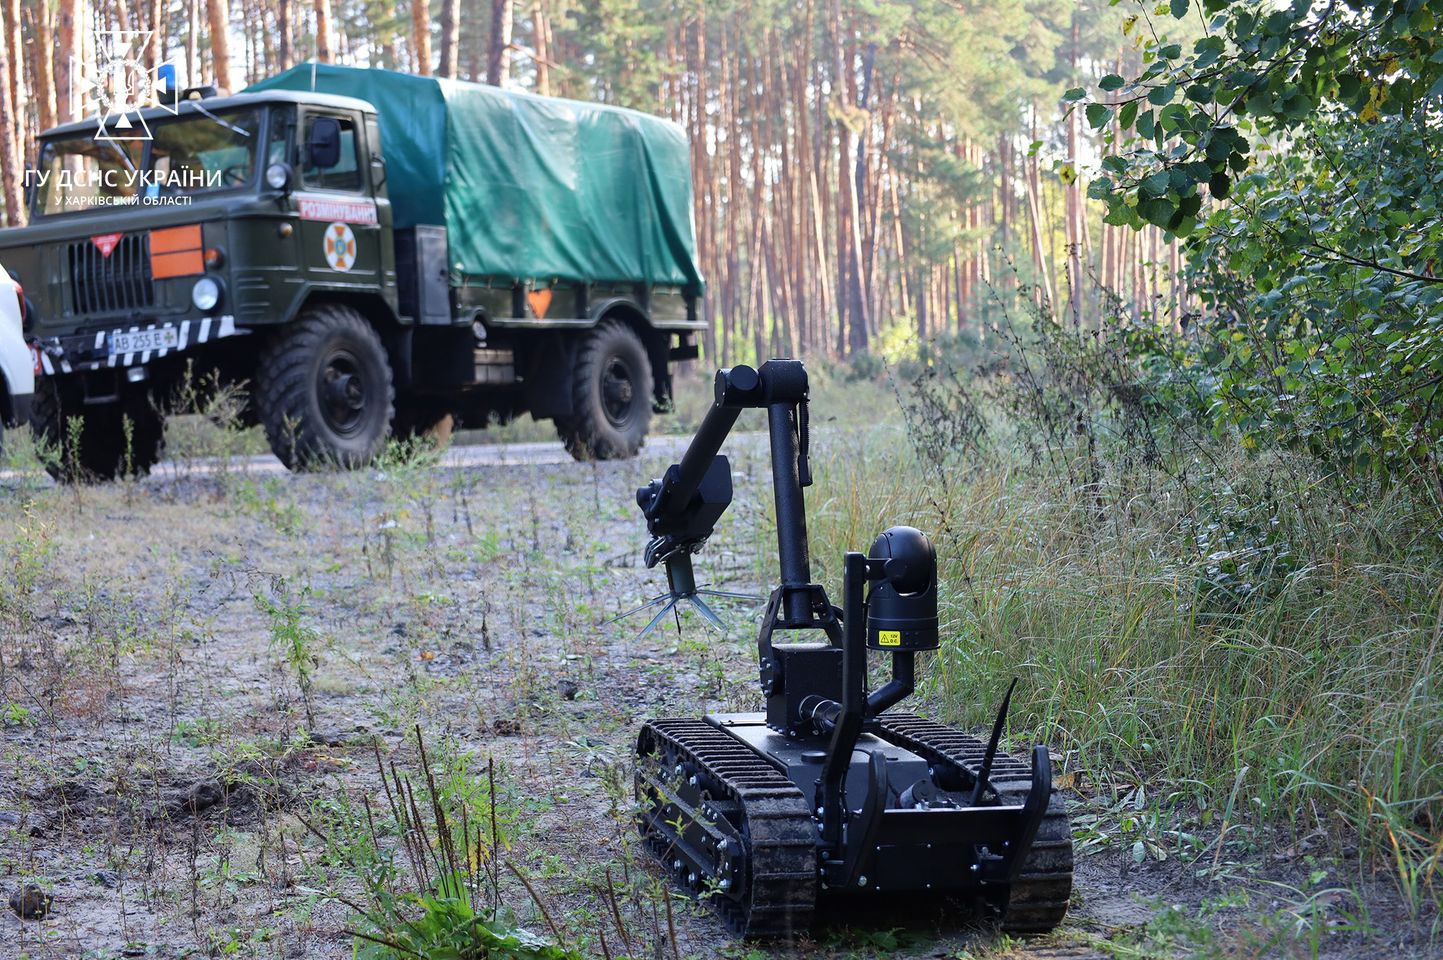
{"x": 369, "y": 253}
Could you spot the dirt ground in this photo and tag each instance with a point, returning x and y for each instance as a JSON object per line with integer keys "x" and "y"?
{"x": 160, "y": 780}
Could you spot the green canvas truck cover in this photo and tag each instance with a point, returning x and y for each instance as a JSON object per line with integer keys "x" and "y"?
{"x": 534, "y": 188}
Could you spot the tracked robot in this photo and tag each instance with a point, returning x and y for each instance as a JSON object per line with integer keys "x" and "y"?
{"x": 829, "y": 793}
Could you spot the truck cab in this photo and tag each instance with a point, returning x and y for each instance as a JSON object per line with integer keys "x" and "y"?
{"x": 251, "y": 239}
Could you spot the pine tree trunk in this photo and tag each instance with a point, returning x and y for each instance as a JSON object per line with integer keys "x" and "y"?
{"x": 155, "y": 23}
{"x": 862, "y": 283}
{"x": 325, "y": 36}
{"x": 852, "y": 336}
{"x": 540, "y": 41}
{"x": 192, "y": 51}
{"x": 43, "y": 67}
{"x": 285, "y": 53}
{"x": 498, "y": 59}
{"x": 421, "y": 36}
{"x": 66, "y": 17}
{"x": 15, "y": 54}
{"x": 904, "y": 292}
{"x": 10, "y": 164}
{"x": 807, "y": 152}
{"x": 450, "y": 38}
{"x": 1073, "y": 212}
{"x": 267, "y": 66}
{"x": 218, "y": 12}
{"x": 1034, "y": 215}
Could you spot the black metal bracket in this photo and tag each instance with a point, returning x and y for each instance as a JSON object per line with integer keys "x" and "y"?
{"x": 1034, "y": 808}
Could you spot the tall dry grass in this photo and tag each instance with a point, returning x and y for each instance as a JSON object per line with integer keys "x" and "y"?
{"x": 1253, "y": 645}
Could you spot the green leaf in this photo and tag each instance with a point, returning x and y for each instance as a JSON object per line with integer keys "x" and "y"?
{"x": 1220, "y": 185}
{"x": 1157, "y": 184}
{"x": 1074, "y": 95}
{"x": 1128, "y": 114}
{"x": 1110, "y": 82}
{"x": 1098, "y": 115}
{"x": 1157, "y": 212}
{"x": 1162, "y": 96}
{"x": 1178, "y": 9}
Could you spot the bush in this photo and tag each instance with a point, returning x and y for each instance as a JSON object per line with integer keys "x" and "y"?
{"x": 1326, "y": 329}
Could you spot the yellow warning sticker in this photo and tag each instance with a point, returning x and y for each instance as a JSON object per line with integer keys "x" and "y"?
{"x": 889, "y": 638}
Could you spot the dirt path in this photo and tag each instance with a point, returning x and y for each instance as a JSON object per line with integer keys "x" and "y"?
{"x": 157, "y": 780}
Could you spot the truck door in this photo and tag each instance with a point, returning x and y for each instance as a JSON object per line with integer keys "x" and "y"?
{"x": 340, "y": 235}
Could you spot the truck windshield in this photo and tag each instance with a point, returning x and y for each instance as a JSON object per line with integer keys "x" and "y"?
{"x": 193, "y": 155}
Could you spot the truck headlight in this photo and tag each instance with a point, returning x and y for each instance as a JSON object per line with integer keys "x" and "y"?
{"x": 205, "y": 294}
{"x": 278, "y": 175}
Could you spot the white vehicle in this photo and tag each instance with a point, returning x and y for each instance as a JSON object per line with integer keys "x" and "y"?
{"x": 17, "y": 363}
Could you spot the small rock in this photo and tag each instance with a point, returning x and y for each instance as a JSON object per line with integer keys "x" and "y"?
{"x": 505, "y": 727}
{"x": 30, "y": 902}
{"x": 329, "y": 738}
{"x": 9, "y": 818}
{"x": 107, "y": 878}
{"x": 567, "y": 688}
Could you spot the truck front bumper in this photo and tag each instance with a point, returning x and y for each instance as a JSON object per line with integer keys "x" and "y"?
{"x": 92, "y": 350}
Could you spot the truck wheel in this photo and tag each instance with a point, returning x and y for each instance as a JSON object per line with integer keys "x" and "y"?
{"x": 610, "y": 395}
{"x": 82, "y": 443}
{"x": 323, "y": 390}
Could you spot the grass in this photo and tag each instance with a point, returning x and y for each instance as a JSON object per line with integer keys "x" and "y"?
{"x": 428, "y": 856}
{"x": 1243, "y": 654}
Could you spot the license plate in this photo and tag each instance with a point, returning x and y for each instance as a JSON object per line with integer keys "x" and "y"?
{"x": 139, "y": 341}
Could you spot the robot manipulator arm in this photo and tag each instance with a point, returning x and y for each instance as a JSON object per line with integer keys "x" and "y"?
{"x": 678, "y": 527}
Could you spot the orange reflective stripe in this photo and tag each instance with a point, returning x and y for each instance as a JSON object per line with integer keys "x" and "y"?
{"x": 175, "y": 239}
{"x": 184, "y": 263}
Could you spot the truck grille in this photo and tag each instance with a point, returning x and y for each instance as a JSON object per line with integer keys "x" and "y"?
{"x": 115, "y": 283}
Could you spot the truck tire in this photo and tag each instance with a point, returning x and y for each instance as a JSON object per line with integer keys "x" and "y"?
{"x": 101, "y": 448}
{"x": 324, "y": 392}
{"x": 610, "y": 395}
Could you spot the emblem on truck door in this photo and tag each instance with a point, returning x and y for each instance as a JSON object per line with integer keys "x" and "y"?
{"x": 340, "y": 246}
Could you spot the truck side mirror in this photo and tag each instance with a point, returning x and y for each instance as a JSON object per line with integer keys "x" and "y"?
{"x": 31, "y": 186}
{"x": 323, "y": 146}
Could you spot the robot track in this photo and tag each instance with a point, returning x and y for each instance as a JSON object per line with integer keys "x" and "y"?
{"x": 729, "y": 826}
